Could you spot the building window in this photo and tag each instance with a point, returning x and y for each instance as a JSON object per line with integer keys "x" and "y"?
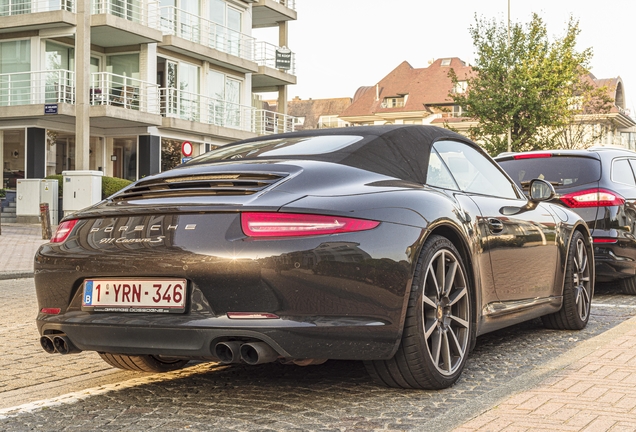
{"x": 15, "y": 88}
{"x": 446, "y": 62}
{"x": 331, "y": 121}
{"x": 394, "y": 101}
{"x": 224, "y": 107}
{"x": 460, "y": 87}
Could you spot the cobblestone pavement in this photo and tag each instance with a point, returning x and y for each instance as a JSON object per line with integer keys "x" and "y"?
{"x": 336, "y": 396}
{"x": 18, "y": 244}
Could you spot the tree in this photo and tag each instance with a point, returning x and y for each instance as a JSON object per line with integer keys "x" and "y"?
{"x": 527, "y": 87}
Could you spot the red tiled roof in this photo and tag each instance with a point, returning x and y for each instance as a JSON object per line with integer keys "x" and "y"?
{"x": 424, "y": 86}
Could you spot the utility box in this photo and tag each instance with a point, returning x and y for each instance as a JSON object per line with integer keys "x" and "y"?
{"x": 30, "y": 193}
{"x": 81, "y": 189}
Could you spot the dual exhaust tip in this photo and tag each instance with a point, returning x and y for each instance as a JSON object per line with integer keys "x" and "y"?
{"x": 58, "y": 343}
{"x": 252, "y": 353}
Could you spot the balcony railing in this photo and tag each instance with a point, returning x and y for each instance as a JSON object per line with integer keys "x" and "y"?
{"x": 28, "y": 88}
{"x": 291, "y": 4}
{"x": 21, "y": 7}
{"x": 145, "y": 12}
{"x": 196, "y": 29}
{"x": 124, "y": 92}
{"x": 265, "y": 55}
{"x": 199, "y": 108}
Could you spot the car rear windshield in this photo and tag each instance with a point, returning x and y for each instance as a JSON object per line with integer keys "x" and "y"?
{"x": 563, "y": 171}
{"x": 280, "y": 147}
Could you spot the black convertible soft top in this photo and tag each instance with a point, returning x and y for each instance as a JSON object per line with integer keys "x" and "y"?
{"x": 400, "y": 151}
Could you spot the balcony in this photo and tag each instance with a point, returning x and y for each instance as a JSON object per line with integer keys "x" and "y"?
{"x": 124, "y": 22}
{"x": 181, "y": 108}
{"x": 24, "y": 94}
{"x": 268, "y": 13}
{"x": 25, "y": 15}
{"x": 120, "y": 101}
{"x": 268, "y": 76}
{"x": 198, "y": 37}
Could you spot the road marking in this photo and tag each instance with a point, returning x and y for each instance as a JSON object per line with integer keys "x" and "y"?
{"x": 607, "y": 305}
{"x": 73, "y": 397}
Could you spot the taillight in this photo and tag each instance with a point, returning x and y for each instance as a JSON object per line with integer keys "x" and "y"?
{"x": 592, "y": 198}
{"x": 51, "y": 311}
{"x": 294, "y": 224}
{"x": 532, "y": 155}
{"x": 63, "y": 230}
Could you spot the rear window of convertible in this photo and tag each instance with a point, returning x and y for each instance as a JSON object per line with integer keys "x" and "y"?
{"x": 559, "y": 170}
{"x": 281, "y": 147}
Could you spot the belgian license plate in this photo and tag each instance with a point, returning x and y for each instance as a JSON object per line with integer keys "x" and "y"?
{"x": 135, "y": 295}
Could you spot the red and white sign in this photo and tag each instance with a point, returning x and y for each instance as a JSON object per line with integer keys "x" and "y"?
{"x": 186, "y": 148}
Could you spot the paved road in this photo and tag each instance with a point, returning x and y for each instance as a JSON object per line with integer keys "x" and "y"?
{"x": 335, "y": 396}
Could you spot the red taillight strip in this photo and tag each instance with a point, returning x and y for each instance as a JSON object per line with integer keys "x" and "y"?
{"x": 604, "y": 240}
{"x": 592, "y": 198}
{"x": 63, "y": 231}
{"x": 296, "y": 224}
{"x": 532, "y": 155}
{"x": 51, "y": 311}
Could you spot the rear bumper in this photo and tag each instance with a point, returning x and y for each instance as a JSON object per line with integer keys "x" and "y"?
{"x": 295, "y": 341}
{"x": 615, "y": 261}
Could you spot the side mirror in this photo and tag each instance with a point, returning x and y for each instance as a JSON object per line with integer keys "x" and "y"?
{"x": 541, "y": 190}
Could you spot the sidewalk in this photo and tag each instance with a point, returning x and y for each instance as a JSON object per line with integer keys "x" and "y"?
{"x": 592, "y": 389}
{"x": 18, "y": 244}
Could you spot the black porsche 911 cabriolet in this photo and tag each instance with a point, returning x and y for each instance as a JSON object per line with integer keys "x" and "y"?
{"x": 395, "y": 245}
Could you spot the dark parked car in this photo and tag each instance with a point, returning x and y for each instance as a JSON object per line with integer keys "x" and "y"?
{"x": 396, "y": 245}
{"x": 599, "y": 185}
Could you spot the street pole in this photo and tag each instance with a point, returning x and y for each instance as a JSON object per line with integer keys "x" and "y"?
{"x": 509, "y": 127}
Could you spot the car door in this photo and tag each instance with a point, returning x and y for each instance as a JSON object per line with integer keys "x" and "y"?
{"x": 519, "y": 236}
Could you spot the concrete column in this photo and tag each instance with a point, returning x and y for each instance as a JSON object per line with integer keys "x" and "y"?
{"x": 149, "y": 157}
{"x": 82, "y": 84}
{"x": 108, "y": 164}
{"x": 282, "y": 99}
{"x": 283, "y": 41}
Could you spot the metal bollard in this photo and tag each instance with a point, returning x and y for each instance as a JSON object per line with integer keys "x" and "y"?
{"x": 46, "y": 221}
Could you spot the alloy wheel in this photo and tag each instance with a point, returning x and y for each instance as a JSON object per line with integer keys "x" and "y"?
{"x": 446, "y": 312}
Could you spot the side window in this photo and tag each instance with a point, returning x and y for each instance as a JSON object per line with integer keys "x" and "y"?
{"x": 437, "y": 174}
{"x": 622, "y": 172}
{"x": 473, "y": 172}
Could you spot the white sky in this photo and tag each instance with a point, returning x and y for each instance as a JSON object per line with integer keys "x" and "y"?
{"x": 341, "y": 45}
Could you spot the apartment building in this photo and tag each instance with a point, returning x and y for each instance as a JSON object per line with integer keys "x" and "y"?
{"x": 106, "y": 84}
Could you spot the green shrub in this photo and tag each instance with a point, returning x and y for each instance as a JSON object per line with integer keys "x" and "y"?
{"x": 2, "y": 193}
{"x": 110, "y": 185}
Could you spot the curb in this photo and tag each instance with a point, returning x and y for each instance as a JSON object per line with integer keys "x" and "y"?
{"x": 16, "y": 275}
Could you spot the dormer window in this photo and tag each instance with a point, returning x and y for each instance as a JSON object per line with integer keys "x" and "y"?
{"x": 394, "y": 101}
{"x": 460, "y": 87}
{"x": 446, "y": 62}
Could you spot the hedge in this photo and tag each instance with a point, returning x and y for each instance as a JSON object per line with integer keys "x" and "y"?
{"x": 110, "y": 185}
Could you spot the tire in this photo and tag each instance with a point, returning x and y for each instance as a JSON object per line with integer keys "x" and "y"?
{"x": 143, "y": 363}
{"x": 578, "y": 288}
{"x": 628, "y": 285}
{"x": 438, "y": 327}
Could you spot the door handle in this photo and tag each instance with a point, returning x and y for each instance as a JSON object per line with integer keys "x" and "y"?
{"x": 495, "y": 225}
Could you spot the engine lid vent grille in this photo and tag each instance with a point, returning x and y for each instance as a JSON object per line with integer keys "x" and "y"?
{"x": 225, "y": 184}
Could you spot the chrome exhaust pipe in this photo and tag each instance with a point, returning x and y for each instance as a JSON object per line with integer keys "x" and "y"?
{"x": 257, "y": 353}
{"x": 63, "y": 345}
{"x": 47, "y": 344}
{"x": 228, "y": 352}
